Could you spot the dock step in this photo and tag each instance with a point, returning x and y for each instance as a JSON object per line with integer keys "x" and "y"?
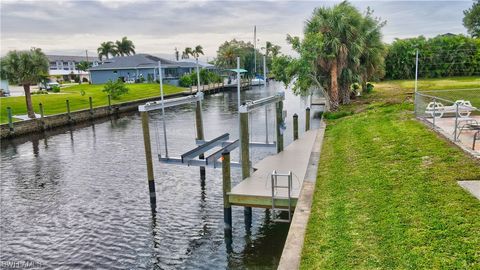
{"x": 275, "y": 185}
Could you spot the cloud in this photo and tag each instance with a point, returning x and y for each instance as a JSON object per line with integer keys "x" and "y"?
{"x": 158, "y": 27}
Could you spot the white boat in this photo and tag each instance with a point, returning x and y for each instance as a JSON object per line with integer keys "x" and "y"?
{"x": 258, "y": 81}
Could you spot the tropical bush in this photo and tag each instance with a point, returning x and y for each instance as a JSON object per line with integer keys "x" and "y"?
{"x": 115, "y": 89}
{"x": 40, "y": 92}
{"x": 206, "y": 77}
{"x": 55, "y": 89}
{"x": 185, "y": 81}
{"x": 369, "y": 88}
{"x": 441, "y": 56}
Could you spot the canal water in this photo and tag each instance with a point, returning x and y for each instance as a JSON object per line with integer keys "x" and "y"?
{"x": 78, "y": 198}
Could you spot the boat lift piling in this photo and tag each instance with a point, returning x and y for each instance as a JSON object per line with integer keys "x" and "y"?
{"x": 148, "y": 158}
{"x": 307, "y": 119}
{"x": 226, "y": 187}
{"x": 295, "y": 127}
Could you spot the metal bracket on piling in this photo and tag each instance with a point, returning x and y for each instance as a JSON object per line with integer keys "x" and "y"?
{"x": 172, "y": 102}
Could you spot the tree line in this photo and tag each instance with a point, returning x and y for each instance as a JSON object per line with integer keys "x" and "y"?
{"x": 342, "y": 48}
{"x": 228, "y": 52}
{"x": 441, "y": 56}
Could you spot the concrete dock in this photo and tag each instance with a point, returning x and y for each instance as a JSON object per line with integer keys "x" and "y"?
{"x": 256, "y": 190}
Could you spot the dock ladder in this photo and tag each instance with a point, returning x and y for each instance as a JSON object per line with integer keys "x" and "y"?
{"x": 288, "y": 187}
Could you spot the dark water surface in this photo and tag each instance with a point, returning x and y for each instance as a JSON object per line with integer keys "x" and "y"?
{"x": 78, "y": 198}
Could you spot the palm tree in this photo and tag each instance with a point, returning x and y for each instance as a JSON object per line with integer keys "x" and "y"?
{"x": 338, "y": 27}
{"x": 186, "y": 53}
{"x": 25, "y": 68}
{"x": 125, "y": 47}
{"x": 177, "y": 54}
{"x": 373, "y": 51}
{"x": 197, "y": 51}
{"x": 271, "y": 49}
{"x": 106, "y": 49}
{"x": 227, "y": 57}
{"x": 83, "y": 66}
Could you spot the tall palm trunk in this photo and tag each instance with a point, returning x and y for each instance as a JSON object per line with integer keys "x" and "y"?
{"x": 28, "y": 100}
{"x": 345, "y": 89}
{"x": 334, "y": 85}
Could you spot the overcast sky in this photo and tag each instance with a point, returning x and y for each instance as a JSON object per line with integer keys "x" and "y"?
{"x": 157, "y": 27}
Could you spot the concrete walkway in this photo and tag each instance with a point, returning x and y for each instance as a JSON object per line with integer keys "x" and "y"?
{"x": 471, "y": 186}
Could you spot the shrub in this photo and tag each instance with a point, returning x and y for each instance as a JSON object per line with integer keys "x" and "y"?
{"x": 40, "y": 92}
{"x": 84, "y": 79}
{"x": 185, "y": 81}
{"x": 77, "y": 79}
{"x": 369, "y": 88}
{"x": 55, "y": 89}
{"x": 115, "y": 89}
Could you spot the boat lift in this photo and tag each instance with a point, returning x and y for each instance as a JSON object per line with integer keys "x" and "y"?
{"x": 190, "y": 158}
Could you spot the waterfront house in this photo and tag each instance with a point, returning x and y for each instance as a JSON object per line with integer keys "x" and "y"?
{"x": 143, "y": 67}
{"x": 63, "y": 66}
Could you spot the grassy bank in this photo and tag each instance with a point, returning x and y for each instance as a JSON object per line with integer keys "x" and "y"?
{"x": 55, "y": 103}
{"x": 386, "y": 195}
{"x": 447, "y": 88}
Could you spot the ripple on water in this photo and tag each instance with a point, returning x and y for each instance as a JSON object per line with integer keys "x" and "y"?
{"x": 79, "y": 199}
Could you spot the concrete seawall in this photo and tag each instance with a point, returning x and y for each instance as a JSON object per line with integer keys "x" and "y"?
{"x": 58, "y": 120}
{"x": 292, "y": 250}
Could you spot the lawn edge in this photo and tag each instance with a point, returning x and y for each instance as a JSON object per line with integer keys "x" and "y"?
{"x": 292, "y": 249}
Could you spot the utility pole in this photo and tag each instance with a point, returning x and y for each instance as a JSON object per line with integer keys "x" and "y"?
{"x": 416, "y": 71}
{"x": 89, "y": 76}
{"x": 255, "y": 49}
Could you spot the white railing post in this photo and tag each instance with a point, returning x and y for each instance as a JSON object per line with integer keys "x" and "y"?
{"x": 456, "y": 122}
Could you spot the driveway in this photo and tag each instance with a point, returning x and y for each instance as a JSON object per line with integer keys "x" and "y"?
{"x": 16, "y": 90}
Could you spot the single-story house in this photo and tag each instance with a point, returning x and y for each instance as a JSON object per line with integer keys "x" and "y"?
{"x": 138, "y": 66}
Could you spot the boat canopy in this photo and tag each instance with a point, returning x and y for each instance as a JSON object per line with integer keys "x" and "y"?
{"x": 241, "y": 70}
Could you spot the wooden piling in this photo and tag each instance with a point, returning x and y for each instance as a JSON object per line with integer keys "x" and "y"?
{"x": 10, "y": 119}
{"x": 148, "y": 159}
{"x": 90, "y": 101}
{"x": 227, "y": 186}
{"x": 307, "y": 119}
{"x": 68, "y": 110}
{"x": 295, "y": 127}
{"x": 200, "y": 133}
{"x": 279, "y": 121}
{"x": 42, "y": 114}
{"x": 244, "y": 145}
{"x": 245, "y": 159}
{"x": 109, "y": 102}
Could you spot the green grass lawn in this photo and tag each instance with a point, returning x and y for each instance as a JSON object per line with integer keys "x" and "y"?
{"x": 386, "y": 194}
{"x": 446, "y": 88}
{"x": 56, "y": 103}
